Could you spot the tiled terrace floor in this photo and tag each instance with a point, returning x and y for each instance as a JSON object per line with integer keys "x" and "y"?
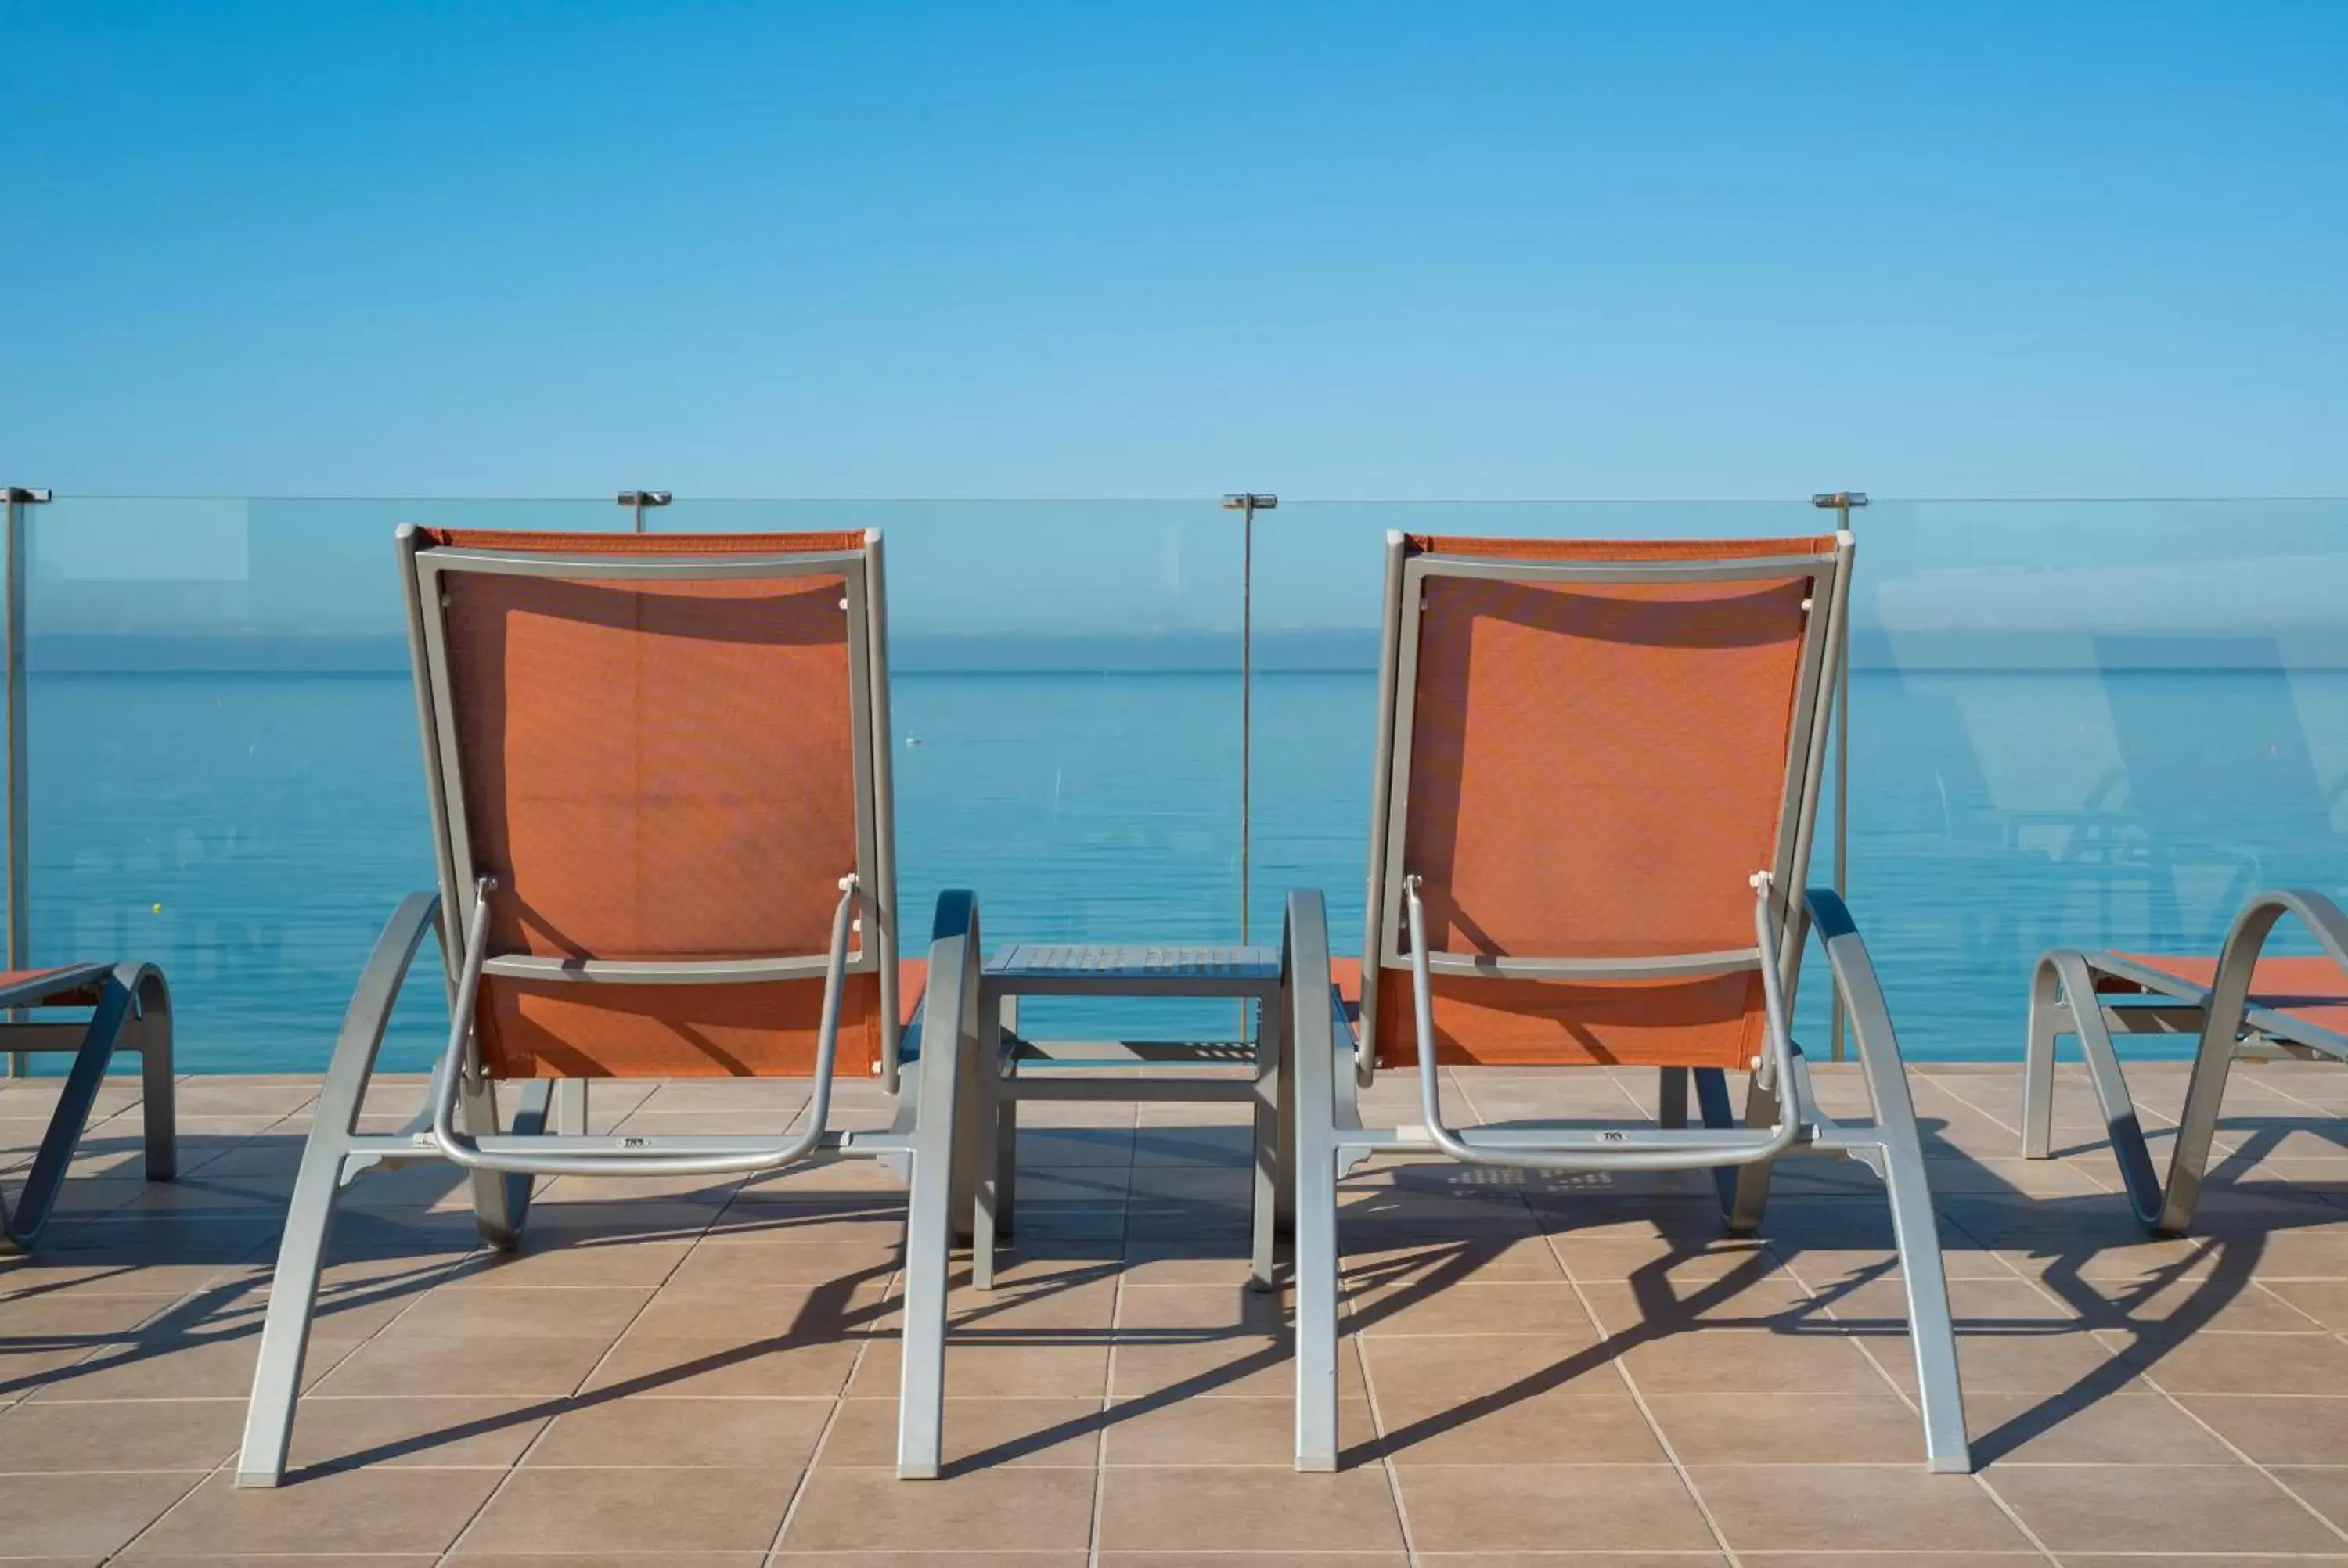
{"x": 1582, "y": 1369}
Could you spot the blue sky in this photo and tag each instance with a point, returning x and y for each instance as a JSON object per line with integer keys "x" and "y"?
{"x": 884, "y": 249}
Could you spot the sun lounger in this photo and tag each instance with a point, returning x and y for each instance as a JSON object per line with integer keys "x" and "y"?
{"x": 1593, "y": 810}
{"x": 130, "y": 1009}
{"x": 658, "y": 774}
{"x": 2241, "y": 1005}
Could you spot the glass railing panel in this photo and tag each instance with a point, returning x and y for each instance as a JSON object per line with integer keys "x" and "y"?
{"x": 226, "y": 776}
{"x": 1065, "y": 694}
{"x": 1318, "y": 582}
{"x": 225, "y": 770}
{"x": 2088, "y": 724}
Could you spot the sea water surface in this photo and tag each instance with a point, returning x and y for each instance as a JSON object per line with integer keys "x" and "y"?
{"x": 252, "y": 831}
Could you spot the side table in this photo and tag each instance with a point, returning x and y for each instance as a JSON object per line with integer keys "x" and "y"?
{"x": 1175, "y": 1070}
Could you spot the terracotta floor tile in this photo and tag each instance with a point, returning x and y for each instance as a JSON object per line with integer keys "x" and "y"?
{"x": 1078, "y": 1558}
{"x": 530, "y": 1312}
{"x": 1200, "y": 1508}
{"x": 2323, "y": 1488}
{"x": 724, "y": 1366}
{"x": 1546, "y": 1307}
{"x": 1591, "y": 1420}
{"x": 1262, "y": 1560}
{"x": 634, "y": 1510}
{"x": 1896, "y": 1507}
{"x": 81, "y": 1518}
{"x": 979, "y": 1434}
{"x": 639, "y": 1263}
{"x": 764, "y": 1314}
{"x": 1029, "y": 1509}
{"x": 388, "y": 1509}
{"x": 2108, "y": 1429}
{"x": 465, "y": 1365}
{"x": 725, "y": 1265}
{"x": 2062, "y": 1360}
{"x": 1233, "y": 1364}
{"x": 741, "y": 1433}
{"x": 2148, "y": 1507}
{"x": 1245, "y": 1430}
{"x": 2326, "y": 1301}
{"x": 2213, "y": 1363}
{"x": 2277, "y": 1429}
{"x": 192, "y": 1435}
{"x": 1148, "y": 1311}
{"x": 1435, "y": 1262}
{"x": 998, "y": 1370}
{"x": 1532, "y": 1508}
{"x": 1750, "y": 1361}
{"x": 1824, "y": 1429}
{"x": 413, "y": 1430}
{"x": 166, "y": 1368}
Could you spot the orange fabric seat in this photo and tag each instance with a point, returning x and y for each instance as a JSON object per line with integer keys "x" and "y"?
{"x": 2311, "y": 990}
{"x": 83, "y": 995}
{"x": 658, "y": 768}
{"x": 1595, "y": 768}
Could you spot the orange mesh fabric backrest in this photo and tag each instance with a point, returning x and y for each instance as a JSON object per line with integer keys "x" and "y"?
{"x": 655, "y": 770}
{"x": 1595, "y": 770}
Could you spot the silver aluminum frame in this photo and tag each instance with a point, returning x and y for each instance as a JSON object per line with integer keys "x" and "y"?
{"x": 133, "y": 1012}
{"x": 919, "y": 1143}
{"x": 1333, "y": 1061}
{"x": 2232, "y": 1028}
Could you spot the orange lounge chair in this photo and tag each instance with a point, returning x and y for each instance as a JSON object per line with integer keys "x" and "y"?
{"x": 1595, "y": 787}
{"x": 130, "y": 1009}
{"x": 2241, "y": 1005}
{"x": 658, "y": 768}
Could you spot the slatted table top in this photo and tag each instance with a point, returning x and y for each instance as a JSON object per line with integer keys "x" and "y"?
{"x": 1113, "y": 966}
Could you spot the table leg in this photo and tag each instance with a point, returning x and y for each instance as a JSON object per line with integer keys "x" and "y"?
{"x": 982, "y": 1156}
{"x": 1272, "y": 1092}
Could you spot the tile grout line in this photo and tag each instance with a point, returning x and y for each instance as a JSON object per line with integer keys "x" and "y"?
{"x": 1980, "y": 1481}
{"x": 1116, "y": 1321}
{"x": 1411, "y": 1555}
{"x": 585, "y": 1377}
{"x": 839, "y": 1406}
{"x": 2098, "y": 1337}
{"x": 1630, "y": 1384}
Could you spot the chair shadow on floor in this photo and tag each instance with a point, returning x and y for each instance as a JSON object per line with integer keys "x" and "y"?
{"x": 1411, "y": 1231}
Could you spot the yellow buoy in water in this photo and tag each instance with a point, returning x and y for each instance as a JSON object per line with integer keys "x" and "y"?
{"x": 159, "y": 908}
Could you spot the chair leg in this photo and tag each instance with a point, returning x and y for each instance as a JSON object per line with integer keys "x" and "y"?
{"x": 1671, "y": 1097}
{"x": 46, "y": 1178}
{"x": 159, "y": 1098}
{"x": 293, "y": 1287}
{"x": 293, "y": 1297}
{"x": 2076, "y": 987}
{"x": 570, "y": 1114}
{"x": 1317, "y": 1061}
{"x": 949, "y": 1038}
{"x": 1265, "y": 1209}
{"x": 1746, "y": 1188}
{"x": 2197, "y": 1125}
{"x": 501, "y": 1198}
{"x": 1914, "y": 1229}
{"x": 989, "y": 1151}
{"x": 2046, "y": 1020}
{"x": 1916, "y": 1233}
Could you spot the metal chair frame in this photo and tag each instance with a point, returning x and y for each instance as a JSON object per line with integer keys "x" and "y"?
{"x": 459, "y": 1122}
{"x": 2230, "y": 1026}
{"x": 1781, "y": 1116}
{"x": 131, "y": 1011}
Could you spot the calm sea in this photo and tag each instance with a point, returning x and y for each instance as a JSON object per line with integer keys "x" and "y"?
{"x": 252, "y": 831}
